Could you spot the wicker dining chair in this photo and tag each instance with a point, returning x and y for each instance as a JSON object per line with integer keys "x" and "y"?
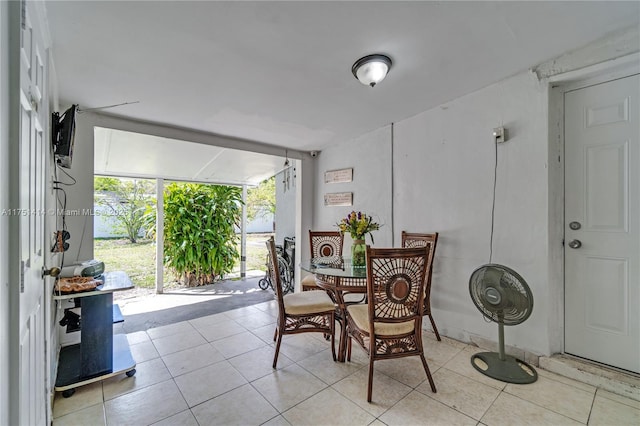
{"x": 421, "y": 240}
{"x": 390, "y": 325}
{"x": 322, "y": 244}
{"x": 304, "y": 312}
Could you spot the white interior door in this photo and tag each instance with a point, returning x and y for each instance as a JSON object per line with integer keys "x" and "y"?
{"x": 602, "y": 217}
{"x": 32, "y": 152}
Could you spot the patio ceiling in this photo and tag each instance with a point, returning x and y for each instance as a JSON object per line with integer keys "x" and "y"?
{"x": 128, "y": 154}
{"x": 279, "y": 73}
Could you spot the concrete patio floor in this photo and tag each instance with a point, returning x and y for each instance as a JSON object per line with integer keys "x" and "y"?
{"x": 176, "y": 305}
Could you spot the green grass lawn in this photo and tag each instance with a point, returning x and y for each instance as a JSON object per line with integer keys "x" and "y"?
{"x": 138, "y": 260}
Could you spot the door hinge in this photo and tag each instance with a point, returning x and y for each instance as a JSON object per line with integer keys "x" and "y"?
{"x": 23, "y": 14}
{"x": 22, "y": 268}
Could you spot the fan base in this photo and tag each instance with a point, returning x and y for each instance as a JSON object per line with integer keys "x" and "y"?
{"x": 510, "y": 370}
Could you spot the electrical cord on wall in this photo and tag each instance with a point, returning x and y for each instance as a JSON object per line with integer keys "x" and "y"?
{"x": 392, "y": 182}
{"x": 59, "y": 182}
{"x": 59, "y": 245}
{"x": 493, "y": 209}
{"x": 493, "y": 202}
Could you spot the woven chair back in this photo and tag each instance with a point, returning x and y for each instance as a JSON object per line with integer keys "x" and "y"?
{"x": 325, "y": 243}
{"x": 274, "y": 273}
{"x": 395, "y": 283}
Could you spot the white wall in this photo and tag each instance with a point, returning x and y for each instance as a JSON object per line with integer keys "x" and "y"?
{"x": 443, "y": 165}
{"x": 80, "y": 195}
{"x": 370, "y": 158}
{"x": 305, "y": 207}
{"x": 442, "y": 180}
{"x": 285, "y": 216}
{"x": 104, "y": 222}
{"x": 261, "y": 224}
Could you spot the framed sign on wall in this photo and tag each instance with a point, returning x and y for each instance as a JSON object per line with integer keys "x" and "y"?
{"x": 338, "y": 199}
{"x": 338, "y": 176}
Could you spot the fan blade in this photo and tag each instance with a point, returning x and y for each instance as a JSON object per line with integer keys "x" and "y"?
{"x": 492, "y": 276}
{"x": 516, "y": 300}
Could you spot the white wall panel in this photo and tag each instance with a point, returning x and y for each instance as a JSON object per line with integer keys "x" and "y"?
{"x": 370, "y": 158}
{"x": 443, "y": 165}
{"x": 285, "y": 216}
{"x": 444, "y": 169}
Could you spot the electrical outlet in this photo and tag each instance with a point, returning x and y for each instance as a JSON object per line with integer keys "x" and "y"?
{"x": 500, "y": 134}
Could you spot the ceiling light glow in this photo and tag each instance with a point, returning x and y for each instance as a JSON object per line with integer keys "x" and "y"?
{"x": 372, "y": 69}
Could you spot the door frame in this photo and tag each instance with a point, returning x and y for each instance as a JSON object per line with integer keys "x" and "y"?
{"x": 13, "y": 199}
{"x": 5, "y": 369}
{"x": 558, "y": 85}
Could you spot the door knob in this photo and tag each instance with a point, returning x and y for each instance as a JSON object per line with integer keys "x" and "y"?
{"x": 54, "y": 272}
{"x": 575, "y": 244}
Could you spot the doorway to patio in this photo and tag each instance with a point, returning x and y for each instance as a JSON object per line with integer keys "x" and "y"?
{"x": 139, "y": 156}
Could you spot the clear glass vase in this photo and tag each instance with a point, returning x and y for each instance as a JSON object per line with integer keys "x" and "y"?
{"x": 358, "y": 254}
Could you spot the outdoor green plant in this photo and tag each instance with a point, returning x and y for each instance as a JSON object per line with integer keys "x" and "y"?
{"x": 126, "y": 200}
{"x": 261, "y": 200}
{"x": 199, "y": 230}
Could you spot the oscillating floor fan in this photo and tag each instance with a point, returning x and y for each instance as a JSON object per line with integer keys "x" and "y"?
{"x": 504, "y": 297}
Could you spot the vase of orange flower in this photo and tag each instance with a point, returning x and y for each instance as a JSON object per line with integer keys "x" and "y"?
{"x": 358, "y": 225}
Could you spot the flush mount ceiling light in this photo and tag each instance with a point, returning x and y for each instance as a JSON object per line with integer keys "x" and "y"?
{"x": 371, "y": 69}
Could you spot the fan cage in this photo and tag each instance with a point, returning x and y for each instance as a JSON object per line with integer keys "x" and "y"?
{"x": 514, "y": 302}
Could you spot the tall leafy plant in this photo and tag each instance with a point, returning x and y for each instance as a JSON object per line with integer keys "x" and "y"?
{"x": 199, "y": 230}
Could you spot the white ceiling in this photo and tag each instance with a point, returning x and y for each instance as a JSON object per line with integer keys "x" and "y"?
{"x": 280, "y": 72}
{"x": 121, "y": 153}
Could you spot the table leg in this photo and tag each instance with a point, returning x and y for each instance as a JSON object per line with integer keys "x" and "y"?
{"x": 342, "y": 346}
{"x": 342, "y": 309}
{"x": 336, "y": 295}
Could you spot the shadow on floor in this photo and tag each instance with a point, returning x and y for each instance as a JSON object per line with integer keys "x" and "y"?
{"x": 218, "y": 297}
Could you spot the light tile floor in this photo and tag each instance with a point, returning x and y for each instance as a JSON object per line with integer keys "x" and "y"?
{"x": 216, "y": 370}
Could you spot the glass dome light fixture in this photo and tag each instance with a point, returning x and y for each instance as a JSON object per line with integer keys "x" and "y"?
{"x": 371, "y": 69}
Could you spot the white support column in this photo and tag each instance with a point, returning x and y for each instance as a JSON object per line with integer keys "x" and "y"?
{"x": 243, "y": 230}
{"x": 159, "y": 235}
{"x": 301, "y": 238}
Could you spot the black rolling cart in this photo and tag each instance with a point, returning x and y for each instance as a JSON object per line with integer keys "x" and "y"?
{"x": 100, "y": 354}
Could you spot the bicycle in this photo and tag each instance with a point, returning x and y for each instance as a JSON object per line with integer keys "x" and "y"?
{"x": 286, "y": 256}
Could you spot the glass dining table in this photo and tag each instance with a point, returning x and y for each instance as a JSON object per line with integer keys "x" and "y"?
{"x": 345, "y": 284}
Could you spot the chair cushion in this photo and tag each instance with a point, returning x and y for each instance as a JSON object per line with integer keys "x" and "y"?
{"x": 307, "y": 302}
{"x": 353, "y": 298}
{"x": 360, "y": 315}
{"x": 309, "y": 281}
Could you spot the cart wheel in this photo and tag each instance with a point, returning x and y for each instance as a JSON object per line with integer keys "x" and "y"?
{"x": 263, "y": 284}
{"x": 68, "y": 393}
{"x": 131, "y": 373}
